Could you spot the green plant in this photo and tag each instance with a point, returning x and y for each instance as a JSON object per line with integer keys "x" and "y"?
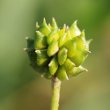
{"x": 57, "y": 54}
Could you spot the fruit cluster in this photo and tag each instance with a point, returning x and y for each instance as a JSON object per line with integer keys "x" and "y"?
{"x": 58, "y": 52}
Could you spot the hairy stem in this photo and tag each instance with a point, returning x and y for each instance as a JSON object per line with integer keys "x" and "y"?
{"x": 56, "y": 84}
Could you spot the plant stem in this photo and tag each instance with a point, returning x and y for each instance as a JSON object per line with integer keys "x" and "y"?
{"x": 56, "y": 84}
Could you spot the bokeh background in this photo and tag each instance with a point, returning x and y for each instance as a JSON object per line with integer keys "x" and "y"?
{"x": 21, "y": 88}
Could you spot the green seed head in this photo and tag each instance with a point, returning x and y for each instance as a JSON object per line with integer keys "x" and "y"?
{"x": 58, "y": 52}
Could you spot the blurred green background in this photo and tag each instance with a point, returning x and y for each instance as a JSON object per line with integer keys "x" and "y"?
{"x": 21, "y": 88}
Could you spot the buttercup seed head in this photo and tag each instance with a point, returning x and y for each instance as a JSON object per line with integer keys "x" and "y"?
{"x": 56, "y": 51}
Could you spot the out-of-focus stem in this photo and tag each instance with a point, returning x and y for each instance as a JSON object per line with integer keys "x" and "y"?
{"x": 56, "y": 85}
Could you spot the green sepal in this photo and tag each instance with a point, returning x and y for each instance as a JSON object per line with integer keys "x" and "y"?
{"x": 79, "y": 58}
{"x": 30, "y": 42}
{"x": 40, "y": 41}
{"x": 74, "y": 30}
{"x": 68, "y": 36}
{"x": 82, "y": 44}
{"x": 52, "y": 48}
{"x": 50, "y": 27}
{"x": 77, "y": 70}
{"x": 31, "y": 54}
{"x": 45, "y": 29}
{"x": 89, "y": 41}
{"x": 61, "y": 73}
{"x": 52, "y": 37}
{"x": 71, "y": 45}
{"x": 39, "y": 69}
{"x": 77, "y": 50}
{"x": 64, "y": 38}
{"x": 62, "y": 56}
{"x": 62, "y": 31}
{"x": 53, "y": 66}
{"x": 54, "y": 24}
{"x": 37, "y": 26}
{"x": 30, "y": 49}
{"x": 42, "y": 58}
{"x": 68, "y": 65}
{"x": 48, "y": 75}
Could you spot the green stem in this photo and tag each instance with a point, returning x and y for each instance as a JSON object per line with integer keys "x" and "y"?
{"x": 56, "y": 84}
